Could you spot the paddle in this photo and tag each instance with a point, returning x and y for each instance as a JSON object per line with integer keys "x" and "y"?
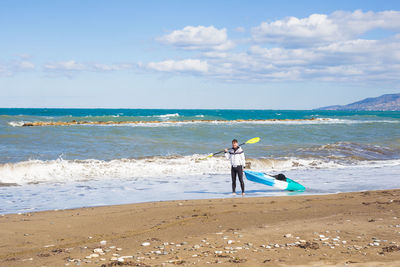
{"x": 250, "y": 141}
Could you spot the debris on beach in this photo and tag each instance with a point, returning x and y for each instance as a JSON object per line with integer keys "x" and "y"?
{"x": 391, "y": 248}
{"x": 309, "y": 245}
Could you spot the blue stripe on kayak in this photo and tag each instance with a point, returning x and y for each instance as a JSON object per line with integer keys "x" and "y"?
{"x": 259, "y": 177}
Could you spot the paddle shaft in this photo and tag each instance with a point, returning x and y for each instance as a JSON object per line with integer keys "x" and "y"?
{"x": 219, "y": 152}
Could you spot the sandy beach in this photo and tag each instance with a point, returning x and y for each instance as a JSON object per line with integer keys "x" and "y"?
{"x": 357, "y": 229}
{"x": 207, "y": 133}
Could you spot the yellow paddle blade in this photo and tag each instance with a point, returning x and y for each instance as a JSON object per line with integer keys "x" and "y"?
{"x": 209, "y": 156}
{"x": 253, "y": 140}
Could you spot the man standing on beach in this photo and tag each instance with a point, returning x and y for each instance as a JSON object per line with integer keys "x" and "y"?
{"x": 236, "y": 157}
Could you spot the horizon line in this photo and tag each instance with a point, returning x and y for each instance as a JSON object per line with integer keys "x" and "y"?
{"x": 150, "y": 108}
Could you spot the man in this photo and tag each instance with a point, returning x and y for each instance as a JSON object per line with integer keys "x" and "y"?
{"x": 236, "y": 157}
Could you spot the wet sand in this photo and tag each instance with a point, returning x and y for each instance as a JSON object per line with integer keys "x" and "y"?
{"x": 354, "y": 229}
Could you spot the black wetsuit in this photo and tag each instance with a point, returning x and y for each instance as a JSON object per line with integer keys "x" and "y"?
{"x": 238, "y": 170}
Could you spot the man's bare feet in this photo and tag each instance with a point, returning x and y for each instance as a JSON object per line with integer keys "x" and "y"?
{"x": 233, "y": 194}
{"x": 243, "y": 194}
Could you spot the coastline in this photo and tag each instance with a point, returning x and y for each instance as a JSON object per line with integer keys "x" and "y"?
{"x": 359, "y": 228}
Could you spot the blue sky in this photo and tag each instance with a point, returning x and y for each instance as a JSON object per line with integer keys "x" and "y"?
{"x": 197, "y": 54}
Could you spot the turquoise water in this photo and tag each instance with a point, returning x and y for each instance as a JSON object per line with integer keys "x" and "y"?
{"x": 346, "y": 132}
{"x": 100, "y": 155}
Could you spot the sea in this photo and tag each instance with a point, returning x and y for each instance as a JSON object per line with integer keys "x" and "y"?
{"x": 84, "y": 165}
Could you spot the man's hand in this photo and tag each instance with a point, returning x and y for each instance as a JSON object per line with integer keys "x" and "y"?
{"x": 226, "y": 150}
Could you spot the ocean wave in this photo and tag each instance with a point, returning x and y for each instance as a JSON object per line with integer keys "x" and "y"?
{"x": 60, "y": 170}
{"x": 167, "y": 115}
{"x": 351, "y": 151}
{"x": 38, "y": 171}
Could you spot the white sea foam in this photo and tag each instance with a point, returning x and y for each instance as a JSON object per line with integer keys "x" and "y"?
{"x": 60, "y": 170}
{"x": 167, "y": 115}
{"x": 74, "y": 170}
{"x": 316, "y": 121}
{"x": 253, "y": 122}
{"x": 49, "y": 196}
{"x": 285, "y": 164}
{"x": 16, "y": 123}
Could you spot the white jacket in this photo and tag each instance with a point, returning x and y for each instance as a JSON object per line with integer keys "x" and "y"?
{"x": 236, "y": 157}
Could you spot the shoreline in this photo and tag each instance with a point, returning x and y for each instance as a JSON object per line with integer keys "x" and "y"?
{"x": 359, "y": 228}
{"x": 59, "y": 194}
{"x": 228, "y": 196}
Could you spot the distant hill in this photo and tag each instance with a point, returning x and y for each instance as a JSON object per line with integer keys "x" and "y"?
{"x": 388, "y": 102}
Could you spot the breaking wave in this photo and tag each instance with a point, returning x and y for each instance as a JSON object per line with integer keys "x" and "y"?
{"x": 38, "y": 171}
{"x": 16, "y": 123}
{"x": 167, "y": 115}
{"x": 350, "y": 151}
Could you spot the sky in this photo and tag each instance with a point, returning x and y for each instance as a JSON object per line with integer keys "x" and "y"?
{"x": 197, "y": 54}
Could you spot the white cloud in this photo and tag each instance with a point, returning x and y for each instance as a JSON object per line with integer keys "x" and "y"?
{"x": 282, "y": 56}
{"x": 15, "y": 66}
{"x": 70, "y": 65}
{"x": 350, "y": 46}
{"x": 110, "y": 67}
{"x": 292, "y": 29}
{"x": 353, "y": 60}
{"x": 186, "y": 65}
{"x": 322, "y": 28}
{"x": 325, "y": 47}
{"x": 359, "y": 22}
{"x": 199, "y": 37}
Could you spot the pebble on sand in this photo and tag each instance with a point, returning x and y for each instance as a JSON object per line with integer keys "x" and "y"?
{"x": 145, "y": 244}
{"x": 98, "y": 250}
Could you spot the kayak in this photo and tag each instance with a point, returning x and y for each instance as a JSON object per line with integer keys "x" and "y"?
{"x": 263, "y": 178}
